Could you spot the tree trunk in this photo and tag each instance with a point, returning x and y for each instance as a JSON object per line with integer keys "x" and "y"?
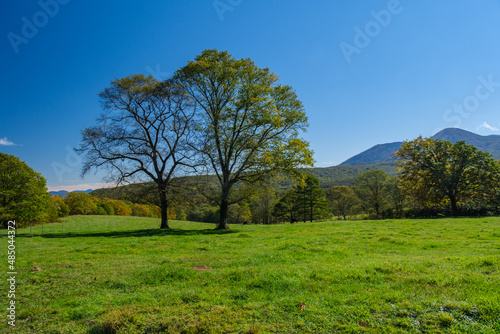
{"x": 224, "y": 209}
{"x": 311, "y": 210}
{"x": 454, "y": 207}
{"x": 376, "y": 207}
{"x": 164, "y": 210}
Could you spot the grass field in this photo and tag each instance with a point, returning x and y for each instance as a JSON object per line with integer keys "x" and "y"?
{"x": 96, "y": 274}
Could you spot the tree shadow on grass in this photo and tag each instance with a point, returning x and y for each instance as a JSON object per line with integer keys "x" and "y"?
{"x": 133, "y": 233}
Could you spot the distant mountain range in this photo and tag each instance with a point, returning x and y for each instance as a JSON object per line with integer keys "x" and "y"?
{"x": 64, "y": 193}
{"x": 385, "y": 152}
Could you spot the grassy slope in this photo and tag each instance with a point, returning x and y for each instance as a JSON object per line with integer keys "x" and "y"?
{"x": 118, "y": 273}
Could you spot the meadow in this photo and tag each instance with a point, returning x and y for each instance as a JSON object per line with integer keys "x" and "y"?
{"x": 110, "y": 274}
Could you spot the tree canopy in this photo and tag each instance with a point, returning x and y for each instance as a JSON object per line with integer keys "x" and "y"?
{"x": 249, "y": 125}
{"x": 343, "y": 200}
{"x": 370, "y": 188}
{"x": 437, "y": 171}
{"x": 23, "y": 195}
{"x": 144, "y": 132}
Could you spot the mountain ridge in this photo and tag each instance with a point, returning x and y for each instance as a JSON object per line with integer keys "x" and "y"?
{"x": 385, "y": 152}
{"x": 64, "y": 193}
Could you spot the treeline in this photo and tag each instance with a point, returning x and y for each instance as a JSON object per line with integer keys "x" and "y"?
{"x": 436, "y": 178}
{"x": 76, "y": 203}
{"x": 374, "y": 195}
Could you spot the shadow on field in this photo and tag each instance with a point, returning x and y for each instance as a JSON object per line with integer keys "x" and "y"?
{"x": 135, "y": 233}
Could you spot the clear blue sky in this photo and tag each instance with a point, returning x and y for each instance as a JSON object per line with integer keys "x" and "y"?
{"x": 368, "y": 72}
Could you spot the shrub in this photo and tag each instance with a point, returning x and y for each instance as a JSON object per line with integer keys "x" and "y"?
{"x": 141, "y": 210}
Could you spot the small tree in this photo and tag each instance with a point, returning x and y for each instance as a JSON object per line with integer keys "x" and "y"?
{"x": 239, "y": 213}
{"x": 286, "y": 209}
{"x": 140, "y": 210}
{"x": 106, "y": 207}
{"x": 343, "y": 200}
{"x": 143, "y": 133}
{"x": 58, "y": 208}
{"x": 395, "y": 196}
{"x": 370, "y": 188}
{"x": 120, "y": 208}
{"x": 310, "y": 199}
{"x": 81, "y": 203}
{"x": 262, "y": 205}
{"x": 249, "y": 124}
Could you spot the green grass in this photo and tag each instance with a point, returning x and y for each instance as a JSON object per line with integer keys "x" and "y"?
{"x": 123, "y": 275}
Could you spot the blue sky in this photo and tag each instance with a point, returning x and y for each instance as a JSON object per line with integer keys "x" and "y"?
{"x": 368, "y": 72}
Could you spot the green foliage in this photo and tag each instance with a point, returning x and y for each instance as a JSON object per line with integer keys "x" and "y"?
{"x": 81, "y": 203}
{"x": 262, "y": 205}
{"x": 305, "y": 202}
{"x": 120, "y": 208}
{"x": 239, "y": 213}
{"x": 310, "y": 200}
{"x": 371, "y": 189}
{"x": 286, "y": 209}
{"x": 58, "y": 208}
{"x": 345, "y": 175}
{"x": 140, "y": 210}
{"x": 437, "y": 172}
{"x": 205, "y": 213}
{"x": 180, "y": 214}
{"x": 343, "y": 201}
{"x": 249, "y": 124}
{"x": 23, "y": 195}
{"x": 395, "y": 197}
{"x": 106, "y": 207}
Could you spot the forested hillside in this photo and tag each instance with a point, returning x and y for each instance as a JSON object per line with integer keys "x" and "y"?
{"x": 327, "y": 176}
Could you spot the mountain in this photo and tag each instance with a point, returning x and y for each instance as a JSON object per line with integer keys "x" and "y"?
{"x": 64, "y": 193}
{"x": 376, "y": 154}
{"x": 385, "y": 152}
{"x": 490, "y": 144}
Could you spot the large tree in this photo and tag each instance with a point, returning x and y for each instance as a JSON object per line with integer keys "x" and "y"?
{"x": 249, "y": 124}
{"x": 143, "y": 134}
{"x": 23, "y": 195}
{"x": 438, "y": 171}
